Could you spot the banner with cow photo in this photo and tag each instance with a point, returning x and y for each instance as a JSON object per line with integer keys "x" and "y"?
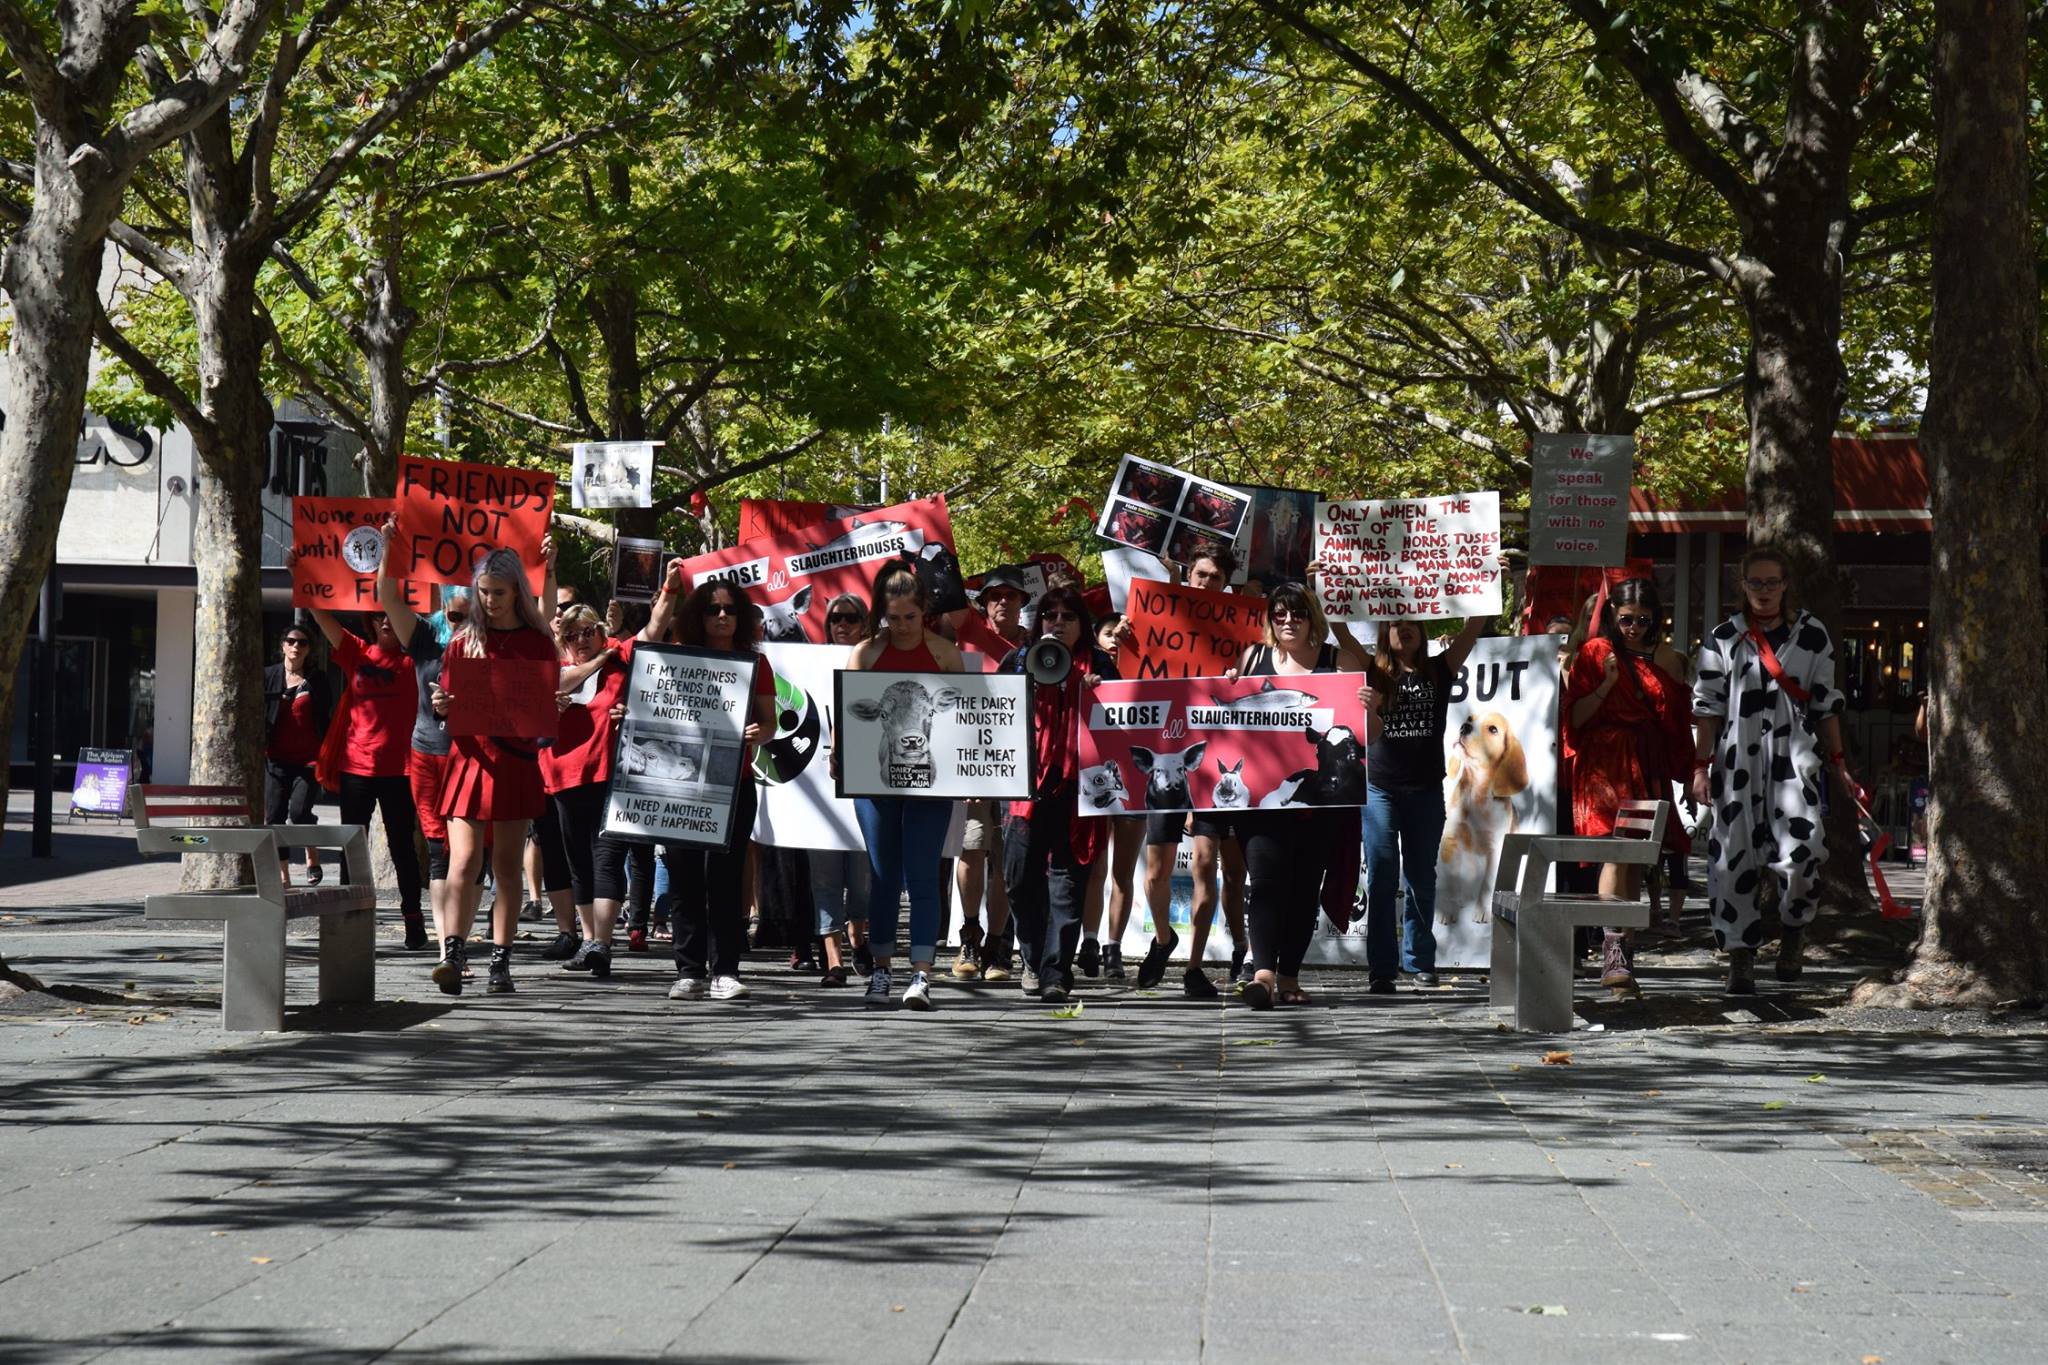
{"x": 793, "y": 577}
{"x": 676, "y": 775}
{"x": 800, "y": 807}
{"x": 948, "y": 736}
{"x": 1212, "y": 744}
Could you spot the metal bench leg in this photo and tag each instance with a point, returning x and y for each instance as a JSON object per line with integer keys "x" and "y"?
{"x": 252, "y": 980}
{"x": 348, "y": 958}
{"x": 1543, "y": 1003}
{"x": 1501, "y": 977}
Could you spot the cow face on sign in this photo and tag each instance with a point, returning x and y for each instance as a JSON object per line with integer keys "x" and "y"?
{"x": 905, "y": 711}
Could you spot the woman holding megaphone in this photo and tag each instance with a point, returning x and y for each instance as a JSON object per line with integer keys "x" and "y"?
{"x": 1048, "y": 849}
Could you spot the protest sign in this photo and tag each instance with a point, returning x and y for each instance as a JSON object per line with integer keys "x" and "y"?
{"x": 451, "y": 513}
{"x": 1578, "y": 499}
{"x": 1183, "y": 632}
{"x": 636, "y": 569}
{"x": 793, "y": 577}
{"x": 1212, "y": 744}
{"x": 99, "y": 782}
{"x": 1164, "y": 511}
{"x": 799, "y": 805}
{"x": 337, "y": 544}
{"x": 1122, "y": 567}
{"x": 766, "y": 518}
{"x": 612, "y": 474}
{"x": 1421, "y": 558}
{"x": 943, "y": 735}
{"x": 511, "y": 698}
{"x": 676, "y": 776}
{"x": 1281, "y": 538}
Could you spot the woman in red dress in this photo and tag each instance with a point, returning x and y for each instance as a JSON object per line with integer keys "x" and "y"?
{"x": 492, "y": 788}
{"x": 1628, "y": 737}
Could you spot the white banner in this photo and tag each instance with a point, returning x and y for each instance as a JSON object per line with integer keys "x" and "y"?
{"x": 950, "y": 736}
{"x": 798, "y": 807}
{"x": 1122, "y": 566}
{"x": 612, "y": 474}
{"x": 677, "y": 771}
{"x": 1419, "y": 558}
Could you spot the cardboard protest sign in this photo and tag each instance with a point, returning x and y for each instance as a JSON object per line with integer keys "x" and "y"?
{"x": 636, "y": 569}
{"x": 1281, "y": 538}
{"x": 1211, "y": 744}
{"x": 1183, "y": 632}
{"x": 800, "y": 806}
{"x": 1500, "y": 743}
{"x": 794, "y": 577}
{"x": 451, "y": 513}
{"x": 1166, "y": 512}
{"x": 1122, "y": 567}
{"x": 612, "y": 474}
{"x": 1421, "y": 558}
{"x": 676, "y": 775}
{"x": 337, "y": 544}
{"x": 942, "y": 735}
{"x": 1578, "y": 499}
{"x": 766, "y": 518}
{"x": 512, "y": 698}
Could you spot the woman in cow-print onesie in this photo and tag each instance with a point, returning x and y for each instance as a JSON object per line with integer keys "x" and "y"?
{"x": 1763, "y": 737}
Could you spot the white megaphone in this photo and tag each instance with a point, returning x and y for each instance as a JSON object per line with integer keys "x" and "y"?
{"x": 1048, "y": 662}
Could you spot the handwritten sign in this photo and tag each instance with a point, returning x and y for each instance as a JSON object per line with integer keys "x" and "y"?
{"x": 503, "y": 698}
{"x": 1578, "y": 499}
{"x": 1183, "y": 632}
{"x": 451, "y": 513}
{"x": 1420, "y": 558}
{"x": 681, "y": 747}
{"x": 337, "y": 544}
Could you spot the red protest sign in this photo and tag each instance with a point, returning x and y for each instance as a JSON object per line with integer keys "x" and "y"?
{"x": 337, "y": 544}
{"x": 793, "y": 577}
{"x": 451, "y": 512}
{"x": 504, "y": 698}
{"x": 1211, "y": 744}
{"x": 1183, "y": 632}
{"x": 765, "y": 518}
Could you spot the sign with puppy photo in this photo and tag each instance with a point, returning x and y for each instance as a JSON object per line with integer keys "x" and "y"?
{"x": 1216, "y": 745}
{"x": 676, "y": 776}
{"x": 948, "y": 736}
{"x": 1500, "y": 777}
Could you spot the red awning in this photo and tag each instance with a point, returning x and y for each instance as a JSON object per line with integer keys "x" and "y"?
{"x": 1880, "y": 485}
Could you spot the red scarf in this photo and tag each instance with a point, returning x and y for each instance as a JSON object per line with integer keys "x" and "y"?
{"x": 1771, "y": 664}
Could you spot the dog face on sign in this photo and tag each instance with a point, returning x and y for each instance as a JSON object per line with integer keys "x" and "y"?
{"x": 1166, "y": 775}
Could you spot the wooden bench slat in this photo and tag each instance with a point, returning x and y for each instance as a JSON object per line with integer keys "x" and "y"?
{"x": 151, "y": 791}
{"x": 235, "y": 811}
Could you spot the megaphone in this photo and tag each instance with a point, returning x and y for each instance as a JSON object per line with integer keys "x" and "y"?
{"x": 1048, "y": 662}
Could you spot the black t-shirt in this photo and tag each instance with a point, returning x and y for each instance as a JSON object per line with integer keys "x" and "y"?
{"x": 1410, "y": 749}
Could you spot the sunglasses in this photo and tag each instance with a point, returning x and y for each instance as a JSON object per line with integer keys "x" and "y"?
{"x": 1634, "y": 622}
{"x": 1286, "y": 614}
{"x": 844, "y": 618}
{"x": 1763, "y": 584}
{"x": 720, "y": 609}
{"x": 299, "y": 640}
{"x": 585, "y": 633}
{"x": 1053, "y": 618}
{"x": 456, "y": 618}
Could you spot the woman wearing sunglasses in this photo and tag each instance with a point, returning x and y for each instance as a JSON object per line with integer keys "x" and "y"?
{"x": 1767, "y": 721}
{"x": 576, "y": 770}
{"x": 297, "y": 704}
{"x": 905, "y": 836}
{"x": 1627, "y": 737}
{"x": 426, "y": 765}
{"x": 839, "y": 879}
{"x": 710, "y": 912}
{"x": 1049, "y": 849}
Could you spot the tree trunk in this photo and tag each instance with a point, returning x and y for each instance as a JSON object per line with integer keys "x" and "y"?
{"x": 387, "y": 326}
{"x": 51, "y": 274}
{"x": 1984, "y": 935}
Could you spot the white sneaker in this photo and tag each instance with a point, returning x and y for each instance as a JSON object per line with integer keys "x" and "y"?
{"x": 1029, "y": 980}
{"x": 686, "y": 988}
{"x": 728, "y": 988}
{"x": 918, "y": 994}
{"x": 878, "y": 989}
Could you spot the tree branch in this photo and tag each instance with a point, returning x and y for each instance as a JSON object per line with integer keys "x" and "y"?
{"x": 47, "y": 91}
{"x": 1680, "y": 397}
{"x": 165, "y": 262}
{"x": 159, "y": 385}
{"x": 263, "y": 130}
{"x": 217, "y": 74}
{"x": 518, "y": 164}
{"x": 493, "y": 405}
{"x": 707, "y": 482}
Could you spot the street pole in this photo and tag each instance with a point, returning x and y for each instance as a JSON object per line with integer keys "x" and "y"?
{"x": 43, "y": 715}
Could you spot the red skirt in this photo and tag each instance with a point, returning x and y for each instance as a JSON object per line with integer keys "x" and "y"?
{"x": 487, "y": 781}
{"x": 427, "y": 773}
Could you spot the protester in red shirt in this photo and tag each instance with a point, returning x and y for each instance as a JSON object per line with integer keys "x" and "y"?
{"x": 577, "y": 772}
{"x": 297, "y": 705}
{"x": 375, "y": 722}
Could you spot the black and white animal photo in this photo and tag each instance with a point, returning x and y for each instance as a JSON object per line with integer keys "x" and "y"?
{"x": 1166, "y": 776}
{"x": 905, "y": 712}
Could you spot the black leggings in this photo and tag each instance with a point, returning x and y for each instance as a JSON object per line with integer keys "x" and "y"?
{"x": 710, "y": 916}
{"x": 393, "y": 796}
{"x": 597, "y": 863}
{"x": 289, "y": 792}
{"x": 1286, "y": 855}
{"x": 546, "y": 833}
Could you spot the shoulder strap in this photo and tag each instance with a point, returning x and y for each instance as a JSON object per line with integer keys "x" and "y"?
{"x": 1773, "y": 667}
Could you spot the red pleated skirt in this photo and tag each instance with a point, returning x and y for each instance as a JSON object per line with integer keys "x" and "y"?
{"x": 487, "y": 781}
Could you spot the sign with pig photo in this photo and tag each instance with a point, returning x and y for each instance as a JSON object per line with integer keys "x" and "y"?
{"x": 947, "y": 736}
{"x": 1215, "y": 745}
{"x": 676, "y": 776}
{"x": 794, "y": 577}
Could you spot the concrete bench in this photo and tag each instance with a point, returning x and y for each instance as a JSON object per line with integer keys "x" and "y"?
{"x": 1532, "y": 928}
{"x": 252, "y": 981}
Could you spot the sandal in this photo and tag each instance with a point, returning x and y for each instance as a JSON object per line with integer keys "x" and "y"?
{"x": 1296, "y": 996}
{"x": 1257, "y": 994}
{"x": 834, "y": 976}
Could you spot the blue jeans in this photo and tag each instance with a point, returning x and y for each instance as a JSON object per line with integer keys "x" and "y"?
{"x": 904, "y": 841}
{"x": 839, "y": 888}
{"x": 1403, "y": 827}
